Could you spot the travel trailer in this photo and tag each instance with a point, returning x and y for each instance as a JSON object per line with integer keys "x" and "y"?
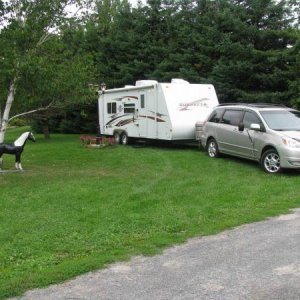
{"x": 153, "y": 110}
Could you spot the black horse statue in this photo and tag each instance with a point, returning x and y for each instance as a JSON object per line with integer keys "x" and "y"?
{"x": 16, "y": 148}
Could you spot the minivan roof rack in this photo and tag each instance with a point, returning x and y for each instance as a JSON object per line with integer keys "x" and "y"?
{"x": 261, "y": 105}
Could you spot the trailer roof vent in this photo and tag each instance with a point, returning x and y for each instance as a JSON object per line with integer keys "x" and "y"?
{"x": 145, "y": 82}
{"x": 179, "y": 81}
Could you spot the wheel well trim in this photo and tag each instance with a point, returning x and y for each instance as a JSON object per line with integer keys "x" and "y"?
{"x": 266, "y": 148}
{"x": 208, "y": 139}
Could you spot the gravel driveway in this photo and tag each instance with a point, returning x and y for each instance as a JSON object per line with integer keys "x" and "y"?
{"x": 255, "y": 261}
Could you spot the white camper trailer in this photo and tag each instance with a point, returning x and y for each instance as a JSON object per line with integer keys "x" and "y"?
{"x": 152, "y": 110}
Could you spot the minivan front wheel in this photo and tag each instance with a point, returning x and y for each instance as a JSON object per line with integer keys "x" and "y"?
{"x": 212, "y": 148}
{"x": 270, "y": 161}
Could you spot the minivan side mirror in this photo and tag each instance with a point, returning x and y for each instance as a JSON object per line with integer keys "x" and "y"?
{"x": 255, "y": 127}
{"x": 241, "y": 127}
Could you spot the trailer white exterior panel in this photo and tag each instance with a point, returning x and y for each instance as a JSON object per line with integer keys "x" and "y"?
{"x": 152, "y": 110}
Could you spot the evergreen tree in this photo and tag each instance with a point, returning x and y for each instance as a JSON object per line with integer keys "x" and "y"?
{"x": 255, "y": 64}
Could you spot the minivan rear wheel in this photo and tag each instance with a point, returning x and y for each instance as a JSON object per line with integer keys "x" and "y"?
{"x": 270, "y": 161}
{"x": 212, "y": 148}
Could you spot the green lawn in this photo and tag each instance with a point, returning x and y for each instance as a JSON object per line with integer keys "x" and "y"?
{"x": 75, "y": 209}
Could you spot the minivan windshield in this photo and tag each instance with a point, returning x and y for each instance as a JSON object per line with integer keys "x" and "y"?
{"x": 282, "y": 120}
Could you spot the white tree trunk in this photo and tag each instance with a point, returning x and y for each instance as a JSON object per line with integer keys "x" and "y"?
{"x": 9, "y": 102}
{"x": 21, "y": 14}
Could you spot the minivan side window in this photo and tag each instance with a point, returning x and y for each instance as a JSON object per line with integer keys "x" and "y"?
{"x": 232, "y": 117}
{"x": 250, "y": 118}
{"x": 216, "y": 116}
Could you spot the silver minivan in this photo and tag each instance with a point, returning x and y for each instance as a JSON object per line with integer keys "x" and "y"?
{"x": 269, "y": 134}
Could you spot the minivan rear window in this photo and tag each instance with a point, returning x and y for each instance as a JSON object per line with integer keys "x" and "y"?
{"x": 216, "y": 115}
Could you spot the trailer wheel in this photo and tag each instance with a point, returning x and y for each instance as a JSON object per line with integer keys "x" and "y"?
{"x": 124, "y": 139}
{"x": 117, "y": 137}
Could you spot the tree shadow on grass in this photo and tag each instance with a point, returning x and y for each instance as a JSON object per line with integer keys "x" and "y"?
{"x": 165, "y": 144}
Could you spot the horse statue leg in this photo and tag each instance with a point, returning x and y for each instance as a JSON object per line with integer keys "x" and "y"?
{"x": 18, "y": 161}
{"x": 1, "y": 159}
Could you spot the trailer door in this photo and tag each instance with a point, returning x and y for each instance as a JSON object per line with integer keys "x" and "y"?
{"x": 142, "y": 116}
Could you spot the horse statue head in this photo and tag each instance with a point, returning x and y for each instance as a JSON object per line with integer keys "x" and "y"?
{"x": 21, "y": 141}
{"x": 16, "y": 148}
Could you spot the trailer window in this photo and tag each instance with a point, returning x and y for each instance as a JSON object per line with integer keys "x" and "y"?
{"x": 111, "y": 107}
{"x": 129, "y": 108}
{"x": 142, "y": 101}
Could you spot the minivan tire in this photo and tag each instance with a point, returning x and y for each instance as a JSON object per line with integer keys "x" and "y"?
{"x": 270, "y": 161}
{"x": 212, "y": 148}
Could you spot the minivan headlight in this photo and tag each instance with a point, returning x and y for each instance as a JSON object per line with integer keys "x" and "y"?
{"x": 290, "y": 142}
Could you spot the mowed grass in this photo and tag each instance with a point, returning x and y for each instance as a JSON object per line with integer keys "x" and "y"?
{"x": 75, "y": 209}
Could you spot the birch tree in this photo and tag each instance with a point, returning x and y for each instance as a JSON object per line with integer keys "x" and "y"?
{"x": 26, "y": 26}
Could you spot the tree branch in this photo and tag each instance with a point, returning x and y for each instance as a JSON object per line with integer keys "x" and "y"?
{"x": 44, "y": 38}
{"x": 30, "y": 112}
{"x": 51, "y": 26}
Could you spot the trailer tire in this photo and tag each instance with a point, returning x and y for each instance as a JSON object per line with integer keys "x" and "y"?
{"x": 124, "y": 139}
{"x": 117, "y": 137}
